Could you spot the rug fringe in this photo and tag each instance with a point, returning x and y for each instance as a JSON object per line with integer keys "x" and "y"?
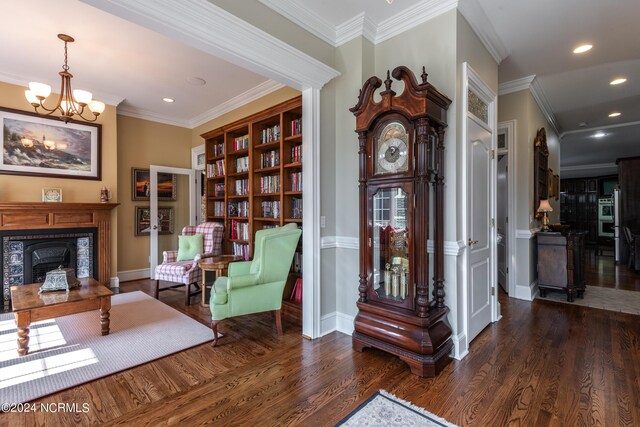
{"x": 416, "y": 408}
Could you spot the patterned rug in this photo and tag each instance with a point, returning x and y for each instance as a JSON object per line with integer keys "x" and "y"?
{"x": 68, "y": 351}
{"x": 603, "y": 298}
{"x": 386, "y": 410}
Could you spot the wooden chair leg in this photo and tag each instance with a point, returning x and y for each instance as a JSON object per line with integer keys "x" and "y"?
{"x": 187, "y": 294}
{"x": 279, "y": 321}
{"x": 214, "y": 328}
{"x": 156, "y": 289}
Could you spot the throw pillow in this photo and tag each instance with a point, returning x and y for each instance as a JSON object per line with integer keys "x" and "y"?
{"x": 189, "y": 247}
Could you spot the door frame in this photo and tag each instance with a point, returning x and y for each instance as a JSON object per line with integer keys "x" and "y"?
{"x": 153, "y": 201}
{"x": 509, "y": 127}
{"x": 471, "y": 81}
{"x": 199, "y": 177}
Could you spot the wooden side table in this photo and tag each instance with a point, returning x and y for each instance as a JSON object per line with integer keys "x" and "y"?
{"x": 29, "y": 306}
{"x": 217, "y": 264}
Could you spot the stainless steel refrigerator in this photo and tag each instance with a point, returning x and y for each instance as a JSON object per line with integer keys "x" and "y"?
{"x": 617, "y": 231}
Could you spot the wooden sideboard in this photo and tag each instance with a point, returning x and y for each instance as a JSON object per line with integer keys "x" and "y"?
{"x": 37, "y": 215}
{"x": 561, "y": 263}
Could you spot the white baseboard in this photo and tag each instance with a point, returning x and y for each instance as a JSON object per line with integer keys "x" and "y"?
{"x": 527, "y": 292}
{"x": 460, "y": 346}
{"x": 115, "y": 282}
{"x": 328, "y": 324}
{"x": 336, "y": 321}
{"x": 126, "y": 276}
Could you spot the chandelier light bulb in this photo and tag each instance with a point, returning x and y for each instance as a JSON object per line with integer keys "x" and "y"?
{"x": 96, "y": 107}
{"x": 82, "y": 97}
{"x": 40, "y": 90}
{"x": 31, "y": 98}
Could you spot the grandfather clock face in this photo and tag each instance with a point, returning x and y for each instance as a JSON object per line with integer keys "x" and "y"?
{"x": 392, "y": 149}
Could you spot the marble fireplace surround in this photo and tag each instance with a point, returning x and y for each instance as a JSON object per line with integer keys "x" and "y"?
{"x": 59, "y": 216}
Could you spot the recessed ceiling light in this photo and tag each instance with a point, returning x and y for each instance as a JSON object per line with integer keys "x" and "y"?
{"x": 582, "y": 48}
{"x": 599, "y": 135}
{"x": 169, "y": 100}
{"x": 618, "y": 81}
{"x": 614, "y": 114}
{"x": 196, "y": 81}
{"x": 582, "y": 124}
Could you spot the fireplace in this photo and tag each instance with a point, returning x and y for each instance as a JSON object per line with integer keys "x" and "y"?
{"x": 81, "y": 227}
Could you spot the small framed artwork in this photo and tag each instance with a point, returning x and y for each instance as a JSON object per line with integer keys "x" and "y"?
{"x": 143, "y": 220}
{"x": 141, "y": 185}
{"x": 550, "y": 186}
{"x": 52, "y": 195}
{"x": 36, "y": 145}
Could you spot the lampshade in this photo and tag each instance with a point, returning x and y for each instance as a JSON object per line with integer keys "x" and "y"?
{"x": 545, "y": 206}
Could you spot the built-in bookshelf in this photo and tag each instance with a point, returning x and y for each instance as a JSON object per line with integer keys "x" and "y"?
{"x": 254, "y": 178}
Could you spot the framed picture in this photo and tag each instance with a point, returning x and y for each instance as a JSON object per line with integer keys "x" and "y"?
{"x": 38, "y": 145}
{"x": 141, "y": 185}
{"x": 143, "y": 220}
{"x": 550, "y": 186}
{"x": 52, "y": 194}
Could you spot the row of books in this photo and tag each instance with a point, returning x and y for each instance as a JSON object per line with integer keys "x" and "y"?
{"x": 270, "y": 184}
{"x": 242, "y": 164}
{"x": 241, "y": 143}
{"x": 296, "y": 208}
{"x": 296, "y": 154}
{"x": 218, "y": 189}
{"x": 217, "y": 149}
{"x": 239, "y": 230}
{"x": 297, "y": 262}
{"x": 270, "y": 159}
{"x": 271, "y": 209}
{"x": 296, "y": 181}
{"x": 238, "y": 208}
{"x": 296, "y": 126}
{"x": 242, "y": 187}
{"x": 296, "y": 294}
{"x": 215, "y": 169}
{"x": 270, "y": 134}
{"x": 241, "y": 249}
{"x": 218, "y": 208}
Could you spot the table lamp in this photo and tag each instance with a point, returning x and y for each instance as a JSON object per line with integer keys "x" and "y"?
{"x": 544, "y": 208}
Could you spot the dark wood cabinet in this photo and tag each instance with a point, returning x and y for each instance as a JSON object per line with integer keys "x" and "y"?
{"x": 401, "y": 182}
{"x": 579, "y": 206}
{"x": 561, "y": 263}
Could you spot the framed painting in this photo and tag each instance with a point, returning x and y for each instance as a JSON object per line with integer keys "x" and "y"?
{"x": 38, "y": 145}
{"x": 143, "y": 220}
{"x": 141, "y": 187}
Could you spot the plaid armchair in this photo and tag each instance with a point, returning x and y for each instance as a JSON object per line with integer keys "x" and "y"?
{"x": 187, "y": 273}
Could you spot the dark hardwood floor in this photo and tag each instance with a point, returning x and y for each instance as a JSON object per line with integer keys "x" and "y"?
{"x": 601, "y": 270}
{"x": 544, "y": 363}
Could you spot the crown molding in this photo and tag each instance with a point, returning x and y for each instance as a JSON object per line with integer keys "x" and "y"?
{"x": 481, "y": 25}
{"x": 305, "y": 18}
{"x": 543, "y": 103}
{"x": 517, "y": 85}
{"x": 588, "y": 167}
{"x": 24, "y": 81}
{"x": 359, "y": 25}
{"x": 141, "y": 113}
{"x": 205, "y": 26}
{"x": 238, "y": 101}
{"x": 594, "y": 128}
{"x": 412, "y": 17}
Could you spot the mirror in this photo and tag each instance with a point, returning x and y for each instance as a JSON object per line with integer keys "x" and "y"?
{"x": 540, "y": 167}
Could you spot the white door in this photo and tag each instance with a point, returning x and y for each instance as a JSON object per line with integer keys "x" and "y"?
{"x": 480, "y": 238}
{"x": 153, "y": 199}
{"x": 502, "y": 196}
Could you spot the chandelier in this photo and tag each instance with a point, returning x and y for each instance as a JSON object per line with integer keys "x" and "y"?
{"x": 71, "y": 103}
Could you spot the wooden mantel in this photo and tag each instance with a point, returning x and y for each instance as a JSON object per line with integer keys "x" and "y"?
{"x": 37, "y": 215}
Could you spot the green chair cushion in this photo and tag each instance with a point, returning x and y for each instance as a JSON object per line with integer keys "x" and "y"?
{"x": 189, "y": 247}
{"x": 219, "y": 292}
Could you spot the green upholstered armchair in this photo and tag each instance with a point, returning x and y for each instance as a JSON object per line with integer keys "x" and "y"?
{"x": 256, "y": 286}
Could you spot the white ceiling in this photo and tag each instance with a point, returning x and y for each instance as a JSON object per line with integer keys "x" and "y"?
{"x": 117, "y": 60}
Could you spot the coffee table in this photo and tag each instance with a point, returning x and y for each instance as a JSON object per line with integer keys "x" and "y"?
{"x": 218, "y": 264}
{"x": 29, "y": 306}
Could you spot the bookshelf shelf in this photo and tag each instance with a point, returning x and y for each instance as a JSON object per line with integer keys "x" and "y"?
{"x": 269, "y": 145}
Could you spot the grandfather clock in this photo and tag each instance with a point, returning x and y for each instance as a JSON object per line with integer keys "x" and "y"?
{"x": 401, "y": 157}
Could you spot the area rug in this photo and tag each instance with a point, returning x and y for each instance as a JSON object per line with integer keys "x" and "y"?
{"x": 384, "y": 409}
{"x": 68, "y": 351}
{"x": 603, "y": 298}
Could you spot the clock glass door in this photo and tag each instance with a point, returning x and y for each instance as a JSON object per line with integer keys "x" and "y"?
{"x": 390, "y": 248}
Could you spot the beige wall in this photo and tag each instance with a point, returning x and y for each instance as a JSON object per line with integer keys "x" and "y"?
{"x": 29, "y": 189}
{"x": 142, "y": 143}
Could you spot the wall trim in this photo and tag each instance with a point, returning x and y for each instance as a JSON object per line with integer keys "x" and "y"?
{"x": 526, "y": 233}
{"x": 359, "y": 25}
{"x": 328, "y": 323}
{"x": 341, "y": 242}
{"x": 591, "y": 129}
{"x": 543, "y": 104}
{"x": 483, "y": 28}
{"x": 114, "y": 283}
{"x": 305, "y": 18}
{"x": 140, "y": 113}
{"x": 588, "y": 167}
{"x": 460, "y": 346}
{"x": 517, "y": 85}
{"x": 344, "y": 323}
{"x": 451, "y": 248}
{"x": 206, "y": 26}
{"x": 527, "y": 292}
{"x": 412, "y": 17}
{"x": 128, "y": 275}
